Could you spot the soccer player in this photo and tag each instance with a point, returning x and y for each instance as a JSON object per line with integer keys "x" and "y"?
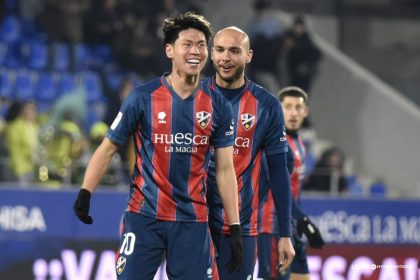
{"x": 259, "y": 129}
{"x": 294, "y": 103}
{"x": 173, "y": 121}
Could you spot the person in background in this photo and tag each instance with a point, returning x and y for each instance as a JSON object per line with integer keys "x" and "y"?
{"x": 328, "y": 174}
{"x": 303, "y": 56}
{"x": 22, "y": 140}
{"x": 294, "y": 102}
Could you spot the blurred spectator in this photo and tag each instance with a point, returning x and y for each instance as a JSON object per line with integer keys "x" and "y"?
{"x": 103, "y": 21}
{"x": 328, "y": 175}
{"x": 62, "y": 151}
{"x": 303, "y": 55}
{"x": 22, "y": 140}
{"x": 265, "y": 33}
{"x": 114, "y": 175}
{"x": 63, "y": 20}
{"x": 138, "y": 49}
{"x": 126, "y": 151}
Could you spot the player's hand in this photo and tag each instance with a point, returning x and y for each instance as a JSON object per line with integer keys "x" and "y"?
{"x": 235, "y": 247}
{"x": 286, "y": 253}
{"x": 81, "y": 206}
{"x": 311, "y": 232}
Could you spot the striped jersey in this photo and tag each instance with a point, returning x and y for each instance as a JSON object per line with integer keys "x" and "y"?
{"x": 267, "y": 222}
{"x": 259, "y": 127}
{"x": 171, "y": 138}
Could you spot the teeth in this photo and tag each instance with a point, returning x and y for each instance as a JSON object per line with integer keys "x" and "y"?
{"x": 193, "y": 61}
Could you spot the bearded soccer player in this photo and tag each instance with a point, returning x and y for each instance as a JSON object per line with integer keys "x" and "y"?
{"x": 294, "y": 103}
{"x": 259, "y": 129}
{"x": 173, "y": 121}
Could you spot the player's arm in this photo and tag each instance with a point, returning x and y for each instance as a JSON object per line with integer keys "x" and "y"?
{"x": 95, "y": 170}
{"x": 282, "y": 197}
{"x": 98, "y": 164}
{"x": 226, "y": 183}
{"x": 228, "y": 190}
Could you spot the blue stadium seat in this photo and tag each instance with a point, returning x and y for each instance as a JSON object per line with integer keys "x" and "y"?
{"x": 10, "y": 29}
{"x": 38, "y": 55}
{"x": 26, "y": 84}
{"x": 3, "y": 53}
{"x": 7, "y": 83}
{"x": 355, "y": 188}
{"x": 61, "y": 57}
{"x": 378, "y": 189}
{"x": 82, "y": 57}
{"x": 13, "y": 58}
{"x": 46, "y": 91}
{"x": 67, "y": 82}
{"x": 93, "y": 87}
{"x": 114, "y": 81}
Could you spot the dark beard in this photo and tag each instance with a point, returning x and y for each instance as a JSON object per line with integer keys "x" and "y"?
{"x": 236, "y": 76}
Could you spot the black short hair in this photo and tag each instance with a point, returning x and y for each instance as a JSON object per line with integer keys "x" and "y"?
{"x": 294, "y": 92}
{"x": 173, "y": 25}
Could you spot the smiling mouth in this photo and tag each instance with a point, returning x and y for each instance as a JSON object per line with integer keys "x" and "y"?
{"x": 193, "y": 61}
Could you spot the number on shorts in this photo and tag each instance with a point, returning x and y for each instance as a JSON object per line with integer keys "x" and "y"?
{"x": 128, "y": 243}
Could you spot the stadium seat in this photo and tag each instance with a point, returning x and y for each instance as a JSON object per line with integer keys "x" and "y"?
{"x": 61, "y": 57}
{"x": 67, "y": 82}
{"x": 6, "y": 84}
{"x": 38, "y": 55}
{"x": 378, "y": 189}
{"x": 13, "y": 58}
{"x": 82, "y": 57}
{"x": 114, "y": 81}
{"x": 10, "y": 29}
{"x": 355, "y": 188}
{"x": 46, "y": 90}
{"x": 93, "y": 87}
{"x": 3, "y": 53}
{"x": 25, "y": 85}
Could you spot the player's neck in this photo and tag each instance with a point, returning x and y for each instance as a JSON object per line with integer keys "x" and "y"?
{"x": 238, "y": 83}
{"x": 183, "y": 85}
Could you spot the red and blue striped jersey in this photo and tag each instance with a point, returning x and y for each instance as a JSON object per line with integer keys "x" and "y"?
{"x": 259, "y": 127}
{"x": 171, "y": 138}
{"x": 267, "y": 221}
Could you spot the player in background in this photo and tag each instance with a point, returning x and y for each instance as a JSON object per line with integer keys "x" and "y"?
{"x": 294, "y": 103}
{"x": 173, "y": 121}
{"x": 259, "y": 128}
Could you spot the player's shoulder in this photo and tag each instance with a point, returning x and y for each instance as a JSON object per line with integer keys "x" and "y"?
{"x": 149, "y": 87}
{"x": 207, "y": 86}
{"x": 261, "y": 93}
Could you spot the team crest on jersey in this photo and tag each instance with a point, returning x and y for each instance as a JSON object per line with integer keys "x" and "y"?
{"x": 247, "y": 120}
{"x": 121, "y": 262}
{"x": 203, "y": 118}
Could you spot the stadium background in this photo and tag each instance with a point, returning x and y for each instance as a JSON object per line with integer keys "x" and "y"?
{"x": 364, "y": 100}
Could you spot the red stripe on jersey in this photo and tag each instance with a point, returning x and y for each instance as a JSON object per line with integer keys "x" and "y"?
{"x": 255, "y": 178}
{"x": 137, "y": 198}
{"x": 274, "y": 259}
{"x": 295, "y": 177}
{"x": 267, "y": 211}
{"x": 161, "y": 128}
{"x": 202, "y": 103}
{"x": 245, "y": 128}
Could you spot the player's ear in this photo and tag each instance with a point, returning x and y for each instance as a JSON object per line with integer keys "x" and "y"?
{"x": 169, "y": 51}
{"x": 249, "y": 56}
{"x": 306, "y": 111}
